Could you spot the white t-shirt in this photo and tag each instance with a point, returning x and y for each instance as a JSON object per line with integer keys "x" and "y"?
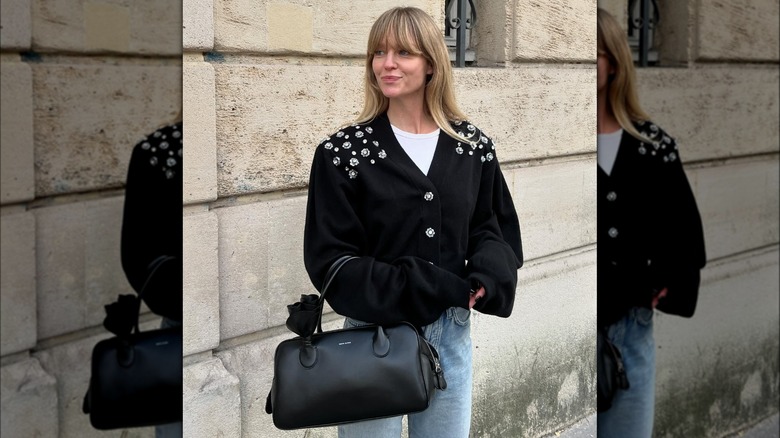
{"x": 607, "y": 148}
{"x": 419, "y": 147}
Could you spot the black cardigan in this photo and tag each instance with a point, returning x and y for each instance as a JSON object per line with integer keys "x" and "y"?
{"x": 152, "y": 221}
{"x": 414, "y": 233}
{"x": 649, "y": 229}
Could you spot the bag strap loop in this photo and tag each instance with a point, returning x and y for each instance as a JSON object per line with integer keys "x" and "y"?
{"x": 332, "y": 271}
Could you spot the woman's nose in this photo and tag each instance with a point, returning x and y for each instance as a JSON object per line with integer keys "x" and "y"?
{"x": 389, "y": 61}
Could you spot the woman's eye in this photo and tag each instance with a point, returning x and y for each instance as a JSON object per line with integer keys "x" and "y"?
{"x": 379, "y": 53}
{"x": 403, "y": 53}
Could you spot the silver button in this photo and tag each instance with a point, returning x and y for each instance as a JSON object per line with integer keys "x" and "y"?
{"x": 611, "y": 196}
{"x": 613, "y": 232}
{"x": 428, "y": 196}
{"x": 649, "y": 262}
{"x": 429, "y": 232}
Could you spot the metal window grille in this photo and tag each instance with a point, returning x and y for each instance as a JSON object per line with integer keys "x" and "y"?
{"x": 460, "y": 16}
{"x": 643, "y": 19}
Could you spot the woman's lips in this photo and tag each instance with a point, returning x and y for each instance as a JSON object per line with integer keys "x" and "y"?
{"x": 390, "y": 79}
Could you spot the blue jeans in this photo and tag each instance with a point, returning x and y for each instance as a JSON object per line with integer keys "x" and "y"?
{"x": 449, "y": 413}
{"x": 631, "y": 414}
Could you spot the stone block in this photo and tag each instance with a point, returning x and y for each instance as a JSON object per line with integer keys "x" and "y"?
{"x": 200, "y": 167}
{"x": 78, "y": 263}
{"x": 556, "y": 206}
{"x": 70, "y": 363}
{"x": 122, "y": 26}
{"x": 530, "y": 113}
{"x": 282, "y": 19}
{"x": 17, "y": 287}
{"x": 739, "y": 205}
{"x": 29, "y": 400}
{"x": 557, "y": 31}
{"x": 212, "y": 401}
{"x": 718, "y": 104}
{"x": 89, "y": 117}
{"x": 300, "y": 26}
{"x": 542, "y": 358}
{"x": 261, "y": 264}
{"x": 742, "y": 30}
{"x": 271, "y": 118}
{"x": 717, "y": 372}
{"x": 201, "y": 283}
{"x": 198, "y": 25}
{"x": 15, "y": 25}
{"x": 16, "y": 129}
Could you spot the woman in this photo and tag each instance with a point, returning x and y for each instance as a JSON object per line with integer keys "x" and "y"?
{"x": 416, "y": 192}
{"x": 651, "y": 244}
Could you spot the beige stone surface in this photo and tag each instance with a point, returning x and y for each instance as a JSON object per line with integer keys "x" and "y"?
{"x": 16, "y": 131}
{"x": 542, "y": 358}
{"x": 739, "y": 205}
{"x": 15, "y": 25}
{"x": 29, "y": 400}
{"x": 530, "y": 113}
{"x": 79, "y": 265}
{"x": 145, "y": 27}
{"x": 198, "y": 25}
{"x": 200, "y": 167}
{"x": 492, "y": 36}
{"x": 106, "y": 27}
{"x": 556, "y": 205}
{"x": 729, "y": 347}
{"x": 69, "y": 363}
{"x": 88, "y": 118}
{"x": 17, "y": 284}
{"x": 323, "y": 28}
{"x": 270, "y": 118}
{"x": 211, "y": 401}
{"x": 738, "y": 30}
{"x": 715, "y": 111}
{"x": 201, "y": 283}
{"x": 282, "y": 18}
{"x": 261, "y": 264}
{"x": 558, "y": 31}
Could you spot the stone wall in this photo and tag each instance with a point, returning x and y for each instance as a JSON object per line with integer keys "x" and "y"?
{"x": 716, "y": 92}
{"x": 82, "y": 83}
{"x": 264, "y": 81}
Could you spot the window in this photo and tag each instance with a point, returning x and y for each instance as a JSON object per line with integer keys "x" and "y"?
{"x": 642, "y": 42}
{"x": 455, "y": 13}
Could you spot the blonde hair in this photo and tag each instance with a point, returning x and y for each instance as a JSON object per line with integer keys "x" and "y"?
{"x": 413, "y": 30}
{"x": 623, "y": 99}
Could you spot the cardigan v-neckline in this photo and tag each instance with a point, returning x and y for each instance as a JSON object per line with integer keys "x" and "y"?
{"x": 399, "y": 156}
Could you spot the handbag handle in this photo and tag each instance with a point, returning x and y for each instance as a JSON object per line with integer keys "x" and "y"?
{"x": 332, "y": 271}
{"x": 158, "y": 262}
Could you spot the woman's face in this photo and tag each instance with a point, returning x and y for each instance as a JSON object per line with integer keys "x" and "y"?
{"x": 603, "y": 70}
{"x": 399, "y": 73}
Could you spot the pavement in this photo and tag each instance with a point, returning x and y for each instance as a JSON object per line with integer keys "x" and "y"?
{"x": 586, "y": 428}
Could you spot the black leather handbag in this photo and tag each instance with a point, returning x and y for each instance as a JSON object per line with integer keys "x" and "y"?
{"x": 136, "y": 377}
{"x": 611, "y": 374}
{"x": 349, "y": 375}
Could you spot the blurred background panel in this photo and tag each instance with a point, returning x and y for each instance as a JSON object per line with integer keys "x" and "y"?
{"x": 83, "y": 81}
{"x": 711, "y": 81}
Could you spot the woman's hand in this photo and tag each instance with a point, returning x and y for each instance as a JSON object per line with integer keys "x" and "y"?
{"x": 657, "y": 297}
{"x": 475, "y": 296}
